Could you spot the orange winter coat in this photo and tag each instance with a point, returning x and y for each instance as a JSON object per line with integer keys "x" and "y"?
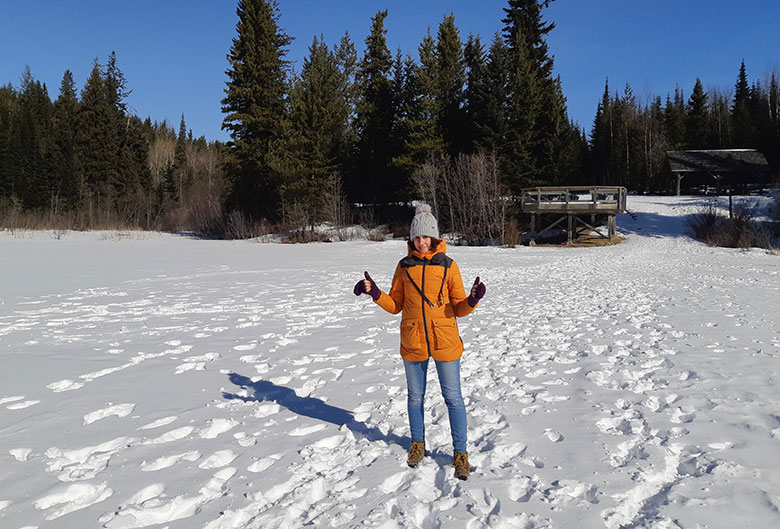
{"x": 428, "y": 289}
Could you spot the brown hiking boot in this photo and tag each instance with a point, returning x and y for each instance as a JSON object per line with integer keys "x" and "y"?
{"x": 416, "y": 453}
{"x": 461, "y": 463}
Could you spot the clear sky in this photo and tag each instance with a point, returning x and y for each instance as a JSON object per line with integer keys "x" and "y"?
{"x": 173, "y": 52}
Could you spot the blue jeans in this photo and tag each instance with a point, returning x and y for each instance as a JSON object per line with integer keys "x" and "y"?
{"x": 449, "y": 379}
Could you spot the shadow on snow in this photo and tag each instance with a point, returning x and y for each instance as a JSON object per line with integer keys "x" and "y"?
{"x": 654, "y": 225}
{"x": 264, "y": 391}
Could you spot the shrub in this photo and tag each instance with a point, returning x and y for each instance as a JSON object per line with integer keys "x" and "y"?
{"x": 467, "y": 195}
{"x": 740, "y": 230}
{"x": 705, "y": 223}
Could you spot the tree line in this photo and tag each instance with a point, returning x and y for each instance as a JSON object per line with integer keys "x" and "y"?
{"x": 84, "y": 161}
{"x": 366, "y": 125}
{"x": 629, "y": 140}
{"x": 464, "y": 123}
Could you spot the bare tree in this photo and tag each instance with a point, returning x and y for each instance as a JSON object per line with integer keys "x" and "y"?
{"x": 162, "y": 154}
{"x": 335, "y": 205}
{"x": 427, "y": 180}
{"x": 467, "y": 194}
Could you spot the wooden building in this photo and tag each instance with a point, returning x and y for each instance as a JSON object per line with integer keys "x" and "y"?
{"x": 580, "y": 207}
{"x": 717, "y": 170}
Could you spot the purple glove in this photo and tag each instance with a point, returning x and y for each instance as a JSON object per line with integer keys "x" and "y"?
{"x": 477, "y": 292}
{"x": 360, "y": 288}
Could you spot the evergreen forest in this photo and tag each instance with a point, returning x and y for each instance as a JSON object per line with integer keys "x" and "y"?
{"x": 354, "y": 136}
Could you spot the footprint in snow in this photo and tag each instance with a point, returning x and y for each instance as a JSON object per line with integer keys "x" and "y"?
{"x": 22, "y": 405}
{"x": 219, "y": 459}
{"x": 504, "y": 455}
{"x": 21, "y": 454}
{"x": 553, "y": 436}
{"x": 521, "y": 489}
{"x": 217, "y": 427}
{"x": 118, "y": 410}
{"x": 72, "y": 498}
{"x": 484, "y": 504}
{"x": 263, "y": 463}
{"x": 306, "y": 430}
{"x": 244, "y": 439}
{"x": 681, "y": 417}
{"x": 173, "y": 435}
{"x": 64, "y": 385}
{"x": 571, "y": 491}
{"x": 159, "y": 422}
{"x": 168, "y": 461}
{"x": 396, "y": 482}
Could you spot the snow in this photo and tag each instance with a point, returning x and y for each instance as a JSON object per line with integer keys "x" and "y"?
{"x": 153, "y": 380}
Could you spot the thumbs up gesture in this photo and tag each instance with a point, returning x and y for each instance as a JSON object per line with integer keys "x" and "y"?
{"x": 477, "y": 292}
{"x": 367, "y": 286}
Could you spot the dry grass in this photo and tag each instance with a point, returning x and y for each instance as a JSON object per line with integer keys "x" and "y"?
{"x": 583, "y": 241}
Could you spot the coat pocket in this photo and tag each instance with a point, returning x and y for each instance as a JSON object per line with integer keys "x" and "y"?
{"x": 410, "y": 334}
{"x": 445, "y": 334}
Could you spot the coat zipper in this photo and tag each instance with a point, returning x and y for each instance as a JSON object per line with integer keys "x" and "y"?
{"x": 422, "y": 302}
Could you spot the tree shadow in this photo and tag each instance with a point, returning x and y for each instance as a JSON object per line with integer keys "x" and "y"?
{"x": 655, "y": 225}
{"x": 311, "y": 407}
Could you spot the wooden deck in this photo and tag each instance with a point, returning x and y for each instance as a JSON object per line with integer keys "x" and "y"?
{"x": 582, "y": 207}
{"x": 577, "y": 199}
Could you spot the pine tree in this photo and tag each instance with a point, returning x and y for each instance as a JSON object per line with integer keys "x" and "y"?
{"x": 450, "y": 75}
{"x": 418, "y": 129}
{"x": 674, "y": 119}
{"x": 254, "y": 106}
{"x": 375, "y": 180}
{"x": 123, "y": 180}
{"x": 696, "y": 118}
{"x": 33, "y": 181}
{"x": 773, "y": 134}
{"x": 475, "y": 94}
{"x": 177, "y": 175}
{"x": 655, "y": 146}
{"x": 346, "y": 57}
{"x": 319, "y": 115}
{"x": 537, "y": 109}
{"x": 96, "y": 143}
{"x": 65, "y": 169}
{"x": 744, "y": 133}
{"x": 8, "y": 114}
{"x": 521, "y": 145}
{"x": 761, "y": 119}
{"x": 492, "y": 125}
{"x": 719, "y": 123}
{"x": 602, "y": 139}
{"x": 136, "y": 178}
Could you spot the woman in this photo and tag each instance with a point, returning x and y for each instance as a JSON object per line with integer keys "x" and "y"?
{"x": 428, "y": 290}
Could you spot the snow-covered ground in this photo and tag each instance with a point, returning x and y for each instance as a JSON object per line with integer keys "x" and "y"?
{"x": 153, "y": 380}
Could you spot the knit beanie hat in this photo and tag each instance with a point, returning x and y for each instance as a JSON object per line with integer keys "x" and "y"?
{"x": 424, "y": 223}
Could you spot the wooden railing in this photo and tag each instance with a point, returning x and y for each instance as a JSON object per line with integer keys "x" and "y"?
{"x": 574, "y": 198}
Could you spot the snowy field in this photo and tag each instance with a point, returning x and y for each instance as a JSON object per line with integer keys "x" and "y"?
{"x": 153, "y": 380}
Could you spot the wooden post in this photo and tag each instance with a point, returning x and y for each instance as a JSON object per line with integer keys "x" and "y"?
{"x": 679, "y": 178}
{"x": 611, "y": 226}
{"x": 569, "y": 240}
{"x": 731, "y": 205}
{"x": 532, "y": 242}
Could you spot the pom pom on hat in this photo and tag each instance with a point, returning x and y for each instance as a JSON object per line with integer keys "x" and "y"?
{"x": 424, "y": 223}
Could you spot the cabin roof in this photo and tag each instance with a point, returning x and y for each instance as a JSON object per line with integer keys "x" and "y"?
{"x": 717, "y": 161}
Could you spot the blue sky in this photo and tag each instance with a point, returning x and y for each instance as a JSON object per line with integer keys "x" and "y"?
{"x": 173, "y": 52}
